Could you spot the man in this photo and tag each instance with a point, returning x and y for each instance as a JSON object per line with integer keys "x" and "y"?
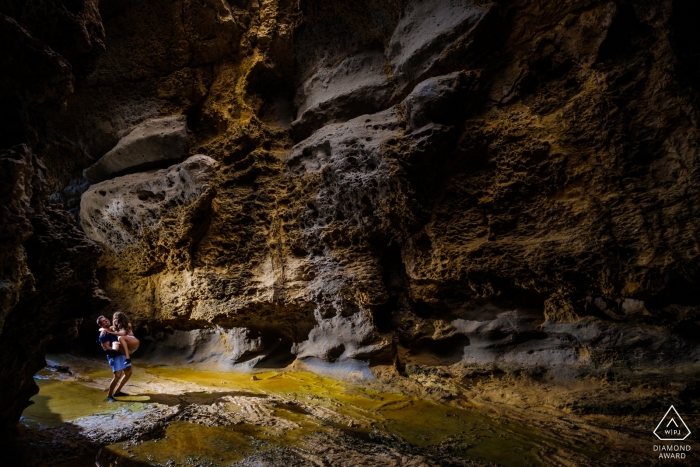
{"x": 117, "y": 361}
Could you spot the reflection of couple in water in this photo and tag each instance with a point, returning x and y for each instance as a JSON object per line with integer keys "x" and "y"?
{"x": 118, "y": 341}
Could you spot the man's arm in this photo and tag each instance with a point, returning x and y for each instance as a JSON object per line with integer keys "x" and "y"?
{"x": 105, "y": 345}
{"x": 116, "y": 333}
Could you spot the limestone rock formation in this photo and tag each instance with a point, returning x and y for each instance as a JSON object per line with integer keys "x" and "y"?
{"x": 358, "y": 85}
{"x": 47, "y": 279}
{"x": 243, "y": 350}
{"x": 432, "y": 101}
{"x": 364, "y": 80}
{"x": 485, "y": 186}
{"x": 47, "y": 265}
{"x": 429, "y": 32}
{"x": 120, "y": 212}
{"x": 449, "y": 160}
{"x": 21, "y": 178}
{"x": 153, "y": 142}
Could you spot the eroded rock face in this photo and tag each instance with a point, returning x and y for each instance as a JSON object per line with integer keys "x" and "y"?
{"x": 437, "y": 183}
{"x": 358, "y": 85}
{"x": 119, "y": 213}
{"x": 432, "y": 100}
{"x": 47, "y": 266}
{"x": 243, "y": 349}
{"x": 352, "y": 80}
{"x": 446, "y": 163}
{"x": 429, "y": 31}
{"x": 153, "y": 142}
{"x": 47, "y": 278}
{"x": 21, "y": 178}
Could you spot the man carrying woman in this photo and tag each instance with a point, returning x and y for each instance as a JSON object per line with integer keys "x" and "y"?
{"x": 118, "y": 342}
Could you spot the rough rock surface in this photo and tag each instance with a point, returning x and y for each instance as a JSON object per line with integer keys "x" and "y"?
{"x": 432, "y": 101}
{"x": 153, "y": 142}
{"x": 47, "y": 277}
{"x": 119, "y": 213}
{"x": 243, "y": 349}
{"x": 515, "y": 190}
{"x": 431, "y": 31}
{"x": 301, "y": 419}
{"x": 490, "y": 183}
{"x": 358, "y": 85}
{"x": 356, "y": 77}
{"x": 47, "y": 266}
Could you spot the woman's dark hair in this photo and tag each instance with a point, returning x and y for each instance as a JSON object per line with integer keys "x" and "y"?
{"x": 121, "y": 321}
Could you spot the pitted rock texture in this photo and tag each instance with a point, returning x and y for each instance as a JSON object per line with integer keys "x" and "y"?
{"x": 119, "y": 213}
{"x": 47, "y": 278}
{"x": 47, "y": 266}
{"x": 391, "y": 171}
{"x": 532, "y": 158}
{"x": 21, "y": 178}
{"x": 153, "y": 142}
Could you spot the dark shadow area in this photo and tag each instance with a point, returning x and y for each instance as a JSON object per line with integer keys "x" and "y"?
{"x": 334, "y": 353}
{"x": 515, "y": 337}
{"x": 40, "y": 404}
{"x": 439, "y": 351}
{"x": 685, "y": 41}
{"x": 64, "y": 446}
{"x": 148, "y": 166}
{"x": 275, "y": 93}
{"x": 281, "y": 357}
{"x": 688, "y": 329}
{"x": 291, "y": 407}
{"x": 678, "y": 289}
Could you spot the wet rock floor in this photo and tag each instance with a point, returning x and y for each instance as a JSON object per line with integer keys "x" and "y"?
{"x": 182, "y": 417}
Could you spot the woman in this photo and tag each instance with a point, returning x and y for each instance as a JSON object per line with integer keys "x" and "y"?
{"x": 127, "y": 342}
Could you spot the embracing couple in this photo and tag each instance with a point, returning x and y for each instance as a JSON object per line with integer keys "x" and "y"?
{"x": 118, "y": 341}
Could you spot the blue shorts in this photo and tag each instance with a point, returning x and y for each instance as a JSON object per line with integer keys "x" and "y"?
{"x": 118, "y": 363}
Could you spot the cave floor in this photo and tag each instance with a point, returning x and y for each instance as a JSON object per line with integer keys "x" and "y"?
{"x": 179, "y": 416}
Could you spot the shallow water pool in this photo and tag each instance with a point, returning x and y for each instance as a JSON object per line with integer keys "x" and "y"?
{"x": 367, "y": 415}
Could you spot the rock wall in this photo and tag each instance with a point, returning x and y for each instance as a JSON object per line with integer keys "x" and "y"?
{"x": 489, "y": 186}
{"x": 440, "y": 183}
{"x": 47, "y": 265}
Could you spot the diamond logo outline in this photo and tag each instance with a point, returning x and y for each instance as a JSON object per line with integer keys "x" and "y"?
{"x": 672, "y": 420}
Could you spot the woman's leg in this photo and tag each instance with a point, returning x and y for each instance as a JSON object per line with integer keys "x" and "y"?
{"x": 131, "y": 343}
{"x": 124, "y": 348}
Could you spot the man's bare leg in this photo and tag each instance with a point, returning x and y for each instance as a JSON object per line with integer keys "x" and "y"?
{"x": 127, "y": 374}
{"x": 113, "y": 384}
